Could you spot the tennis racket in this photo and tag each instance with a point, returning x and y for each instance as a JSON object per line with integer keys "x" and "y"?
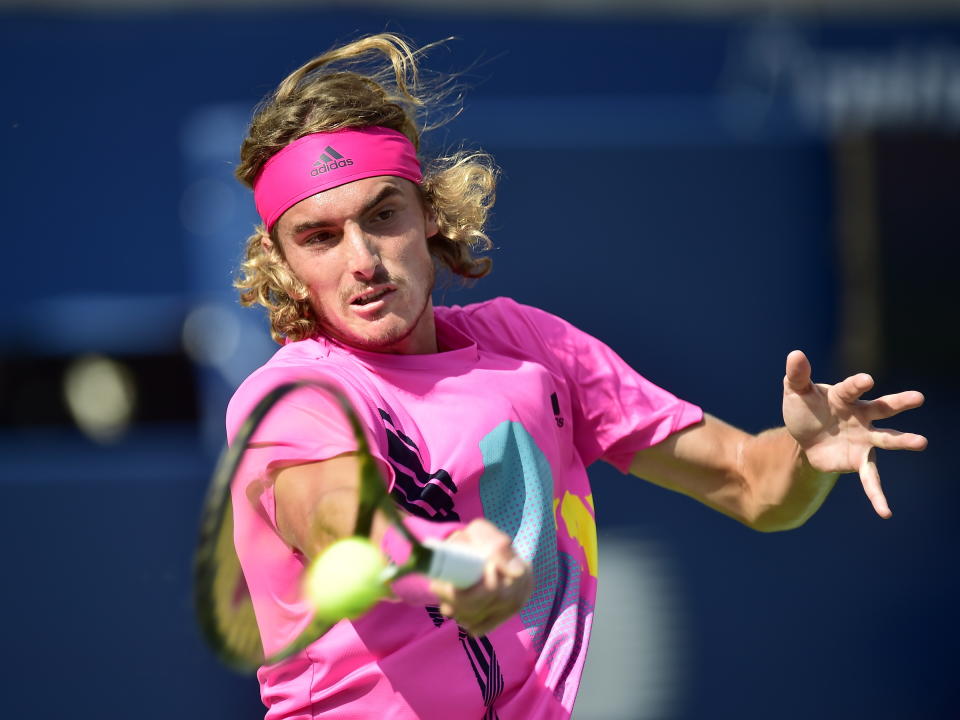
{"x": 221, "y": 599}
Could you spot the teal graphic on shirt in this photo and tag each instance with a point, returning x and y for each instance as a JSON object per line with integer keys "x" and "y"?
{"x": 516, "y": 490}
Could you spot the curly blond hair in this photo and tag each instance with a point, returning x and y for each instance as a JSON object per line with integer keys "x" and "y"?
{"x": 374, "y": 81}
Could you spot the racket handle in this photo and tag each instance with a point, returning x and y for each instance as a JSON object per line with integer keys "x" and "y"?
{"x": 458, "y": 564}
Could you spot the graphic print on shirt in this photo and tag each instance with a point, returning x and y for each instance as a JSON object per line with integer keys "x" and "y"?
{"x": 516, "y": 490}
{"x": 581, "y": 526}
{"x": 430, "y": 496}
{"x": 426, "y": 495}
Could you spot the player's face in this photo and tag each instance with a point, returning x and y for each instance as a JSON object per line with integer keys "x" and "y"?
{"x": 361, "y": 250}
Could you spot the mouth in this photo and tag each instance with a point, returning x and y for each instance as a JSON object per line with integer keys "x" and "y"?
{"x": 371, "y": 296}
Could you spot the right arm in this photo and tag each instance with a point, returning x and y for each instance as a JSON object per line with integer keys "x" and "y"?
{"x": 317, "y": 504}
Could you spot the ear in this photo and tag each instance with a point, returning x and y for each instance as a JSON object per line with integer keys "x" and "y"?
{"x": 265, "y": 242}
{"x": 430, "y": 226}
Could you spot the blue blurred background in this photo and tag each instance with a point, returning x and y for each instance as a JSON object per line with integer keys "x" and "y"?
{"x": 705, "y": 191}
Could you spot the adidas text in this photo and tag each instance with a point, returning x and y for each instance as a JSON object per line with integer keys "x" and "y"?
{"x": 333, "y": 165}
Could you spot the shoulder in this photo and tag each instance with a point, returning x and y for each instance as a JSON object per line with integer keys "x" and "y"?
{"x": 304, "y": 361}
{"x": 503, "y": 320}
{"x": 501, "y": 307}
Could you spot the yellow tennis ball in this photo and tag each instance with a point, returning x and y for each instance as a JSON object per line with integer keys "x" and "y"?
{"x": 344, "y": 580}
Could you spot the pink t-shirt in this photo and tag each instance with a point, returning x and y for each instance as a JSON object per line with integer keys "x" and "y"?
{"x": 502, "y": 424}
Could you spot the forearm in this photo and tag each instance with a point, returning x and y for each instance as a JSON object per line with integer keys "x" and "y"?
{"x": 317, "y": 504}
{"x": 763, "y": 481}
{"x": 782, "y": 489}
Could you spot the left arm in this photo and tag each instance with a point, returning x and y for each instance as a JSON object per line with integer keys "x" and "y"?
{"x": 776, "y": 480}
{"x": 764, "y": 480}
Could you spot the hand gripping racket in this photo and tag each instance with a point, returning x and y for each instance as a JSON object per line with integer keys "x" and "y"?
{"x": 222, "y": 603}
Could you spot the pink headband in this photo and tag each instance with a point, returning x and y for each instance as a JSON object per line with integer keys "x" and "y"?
{"x": 321, "y": 161}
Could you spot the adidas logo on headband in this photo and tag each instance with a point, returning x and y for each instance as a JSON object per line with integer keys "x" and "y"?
{"x": 311, "y": 164}
{"x": 330, "y": 159}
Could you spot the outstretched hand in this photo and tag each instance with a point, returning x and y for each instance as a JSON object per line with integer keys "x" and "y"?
{"x": 834, "y": 426}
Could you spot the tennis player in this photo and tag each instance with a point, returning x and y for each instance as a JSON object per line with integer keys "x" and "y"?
{"x": 483, "y": 419}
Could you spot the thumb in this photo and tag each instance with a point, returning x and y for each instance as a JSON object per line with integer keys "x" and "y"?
{"x": 797, "y": 378}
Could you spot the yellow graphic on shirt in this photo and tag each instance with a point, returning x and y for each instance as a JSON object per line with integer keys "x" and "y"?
{"x": 581, "y": 526}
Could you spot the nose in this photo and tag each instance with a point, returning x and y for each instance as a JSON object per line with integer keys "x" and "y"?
{"x": 364, "y": 253}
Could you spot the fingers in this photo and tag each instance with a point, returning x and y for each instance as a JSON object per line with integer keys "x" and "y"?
{"x": 481, "y": 621}
{"x": 890, "y": 405}
{"x": 849, "y": 391}
{"x": 870, "y": 479}
{"x": 887, "y": 439}
{"x": 481, "y": 608}
{"x": 798, "y": 373}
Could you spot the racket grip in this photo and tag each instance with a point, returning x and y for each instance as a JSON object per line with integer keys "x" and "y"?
{"x": 458, "y": 564}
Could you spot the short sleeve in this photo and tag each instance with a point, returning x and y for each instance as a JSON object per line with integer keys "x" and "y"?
{"x": 306, "y": 425}
{"x": 617, "y": 411}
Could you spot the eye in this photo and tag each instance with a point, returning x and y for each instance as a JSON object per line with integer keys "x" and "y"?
{"x": 384, "y": 214}
{"x": 322, "y": 237}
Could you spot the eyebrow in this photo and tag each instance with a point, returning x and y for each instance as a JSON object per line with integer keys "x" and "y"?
{"x": 386, "y": 192}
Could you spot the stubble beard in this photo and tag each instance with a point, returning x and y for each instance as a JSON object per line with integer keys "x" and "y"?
{"x": 388, "y": 339}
